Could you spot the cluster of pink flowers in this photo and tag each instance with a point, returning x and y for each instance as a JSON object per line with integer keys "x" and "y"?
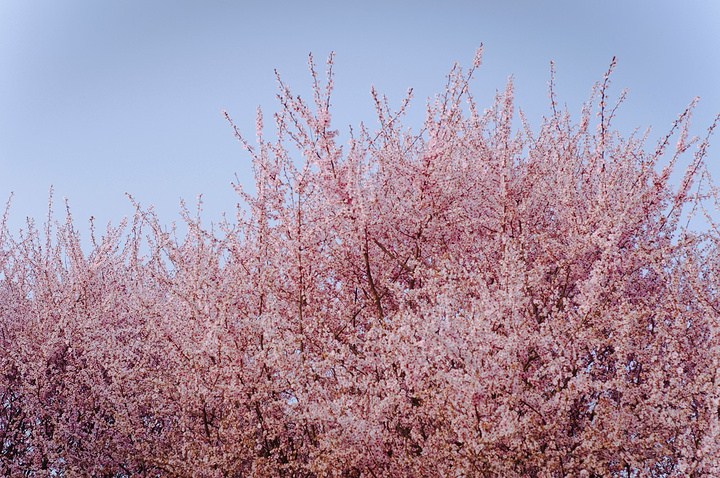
{"x": 473, "y": 300}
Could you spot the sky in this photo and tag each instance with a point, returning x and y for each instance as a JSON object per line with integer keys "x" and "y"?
{"x": 103, "y": 98}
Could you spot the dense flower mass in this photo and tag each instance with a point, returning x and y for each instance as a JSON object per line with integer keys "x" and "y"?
{"x": 472, "y": 300}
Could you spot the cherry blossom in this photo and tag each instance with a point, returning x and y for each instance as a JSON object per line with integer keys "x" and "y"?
{"x": 470, "y": 299}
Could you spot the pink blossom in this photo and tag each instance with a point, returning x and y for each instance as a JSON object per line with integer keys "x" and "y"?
{"x": 469, "y": 300}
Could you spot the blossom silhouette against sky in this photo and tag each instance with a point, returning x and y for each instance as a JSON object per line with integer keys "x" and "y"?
{"x": 102, "y": 98}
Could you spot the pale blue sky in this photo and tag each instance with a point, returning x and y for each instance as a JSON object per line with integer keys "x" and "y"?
{"x": 103, "y": 97}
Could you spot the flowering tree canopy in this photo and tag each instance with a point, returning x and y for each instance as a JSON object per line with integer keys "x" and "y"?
{"x": 471, "y": 300}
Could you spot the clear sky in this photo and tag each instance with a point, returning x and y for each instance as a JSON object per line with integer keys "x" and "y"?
{"x": 100, "y": 98}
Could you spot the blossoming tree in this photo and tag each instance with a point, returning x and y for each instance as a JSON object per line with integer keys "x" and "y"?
{"x": 474, "y": 299}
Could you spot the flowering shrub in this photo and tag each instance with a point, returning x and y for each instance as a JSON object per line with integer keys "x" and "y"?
{"x": 470, "y": 300}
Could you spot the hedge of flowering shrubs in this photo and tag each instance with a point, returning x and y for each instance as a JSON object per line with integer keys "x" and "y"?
{"x": 471, "y": 300}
